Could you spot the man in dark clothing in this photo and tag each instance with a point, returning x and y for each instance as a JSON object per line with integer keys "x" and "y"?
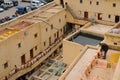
{"x": 104, "y": 47}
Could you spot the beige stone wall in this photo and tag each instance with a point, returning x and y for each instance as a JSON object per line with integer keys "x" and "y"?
{"x": 70, "y": 51}
{"x": 75, "y": 60}
{"x": 105, "y": 8}
{"x": 58, "y": 22}
{"x": 57, "y": 1}
{"x": 9, "y": 50}
{"x": 111, "y": 39}
{"x": 11, "y": 53}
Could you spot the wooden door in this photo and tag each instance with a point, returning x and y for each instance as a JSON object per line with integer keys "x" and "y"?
{"x": 99, "y": 16}
{"x": 31, "y": 54}
{"x": 23, "y": 59}
{"x": 49, "y": 40}
{"x": 85, "y": 14}
{"x": 58, "y": 34}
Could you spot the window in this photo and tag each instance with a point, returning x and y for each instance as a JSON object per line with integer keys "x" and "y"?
{"x": 52, "y": 26}
{"x": 81, "y": 1}
{"x": 35, "y": 35}
{"x": 59, "y": 20}
{"x": 49, "y": 40}
{"x": 97, "y": 3}
{"x": 66, "y": 3}
{"x": 31, "y": 54}
{"x": 5, "y": 65}
{"x": 19, "y": 45}
{"x": 46, "y": 29}
{"x": 90, "y": 2}
{"x": 44, "y": 43}
{"x": 35, "y": 47}
{"x": 114, "y": 5}
{"x": 109, "y": 16}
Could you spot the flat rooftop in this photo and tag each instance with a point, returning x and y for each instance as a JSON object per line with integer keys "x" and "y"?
{"x": 46, "y": 14}
{"x": 99, "y": 28}
{"x": 9, "y": 31}
{"x": 21, "y": 25}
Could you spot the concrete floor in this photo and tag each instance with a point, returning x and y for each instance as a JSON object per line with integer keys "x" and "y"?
{"x": 99, "y": 28}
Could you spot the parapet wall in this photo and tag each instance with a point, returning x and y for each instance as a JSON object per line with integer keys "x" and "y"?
{"x": 105, "y": 22}
{"x": 21, "y": 17}
{"x": 113, "y": 39}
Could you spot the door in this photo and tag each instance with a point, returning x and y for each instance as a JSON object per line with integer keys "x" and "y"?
{"x": 61, "y": 2}
{"x": 49, "y": 40}
{"x": 99, "y": 16}
{"x": 116, "y": 19}
{"x": 85, "y": 14}
{"x": 31, "y": 54}
{"x": 58, "y": 34}
{"x": 23, "y": 59}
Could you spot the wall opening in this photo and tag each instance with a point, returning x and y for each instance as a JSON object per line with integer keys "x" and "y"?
{"x": 23, "y": 59}
{"x": 85, "y": 15}
{"x": 116, "y": 19}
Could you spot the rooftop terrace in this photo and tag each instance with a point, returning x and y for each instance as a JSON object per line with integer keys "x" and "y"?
{"x": 90, "y": 67}
{"x": 21, "y": 25}
{"x": 99, "y": 28}
{"x": 96, "y": 28}
{"x": 44, "y": 15}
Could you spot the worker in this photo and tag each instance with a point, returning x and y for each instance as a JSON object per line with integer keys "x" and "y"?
{"x": 103, "y": 48}
{"x": 16, "y": 13}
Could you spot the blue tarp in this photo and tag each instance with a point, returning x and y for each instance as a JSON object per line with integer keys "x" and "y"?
{"x": 21, "y": 9}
